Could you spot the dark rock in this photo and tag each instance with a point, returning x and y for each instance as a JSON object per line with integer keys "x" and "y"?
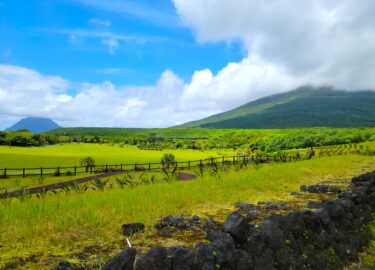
{"x": 274, "y": 235}
{"x": 122, "y": 261}
{"x": 282, "y": 256}
{"x": 237, "y": 226}
{"x": 194, "y": 220}
{"x": 313, "y": 204}
{"x": 206, "y": 256}
{"x": 243, "y": 260}
{"x": 179, "y": 223}
{"x": 316, "y": 259}
{"x": 265, "y": 261}
{"x": 223, "y": 246}
{"x": 277, "y": 206}
{"x": 251, "y": 215}
{"x": 334, "y": 209}
{"x": 183, "y": 258}
{"x": 256, "y": 242}
{"x": 321, "y": 188}
{"x": 131, "y": 228}
{"x": 244, "y": 207}
{"x": 322, "y": 214}
{"x": 65, "y": 265}
{"x": 313, "y": 222}
{"x": 155, "y": 259}
{"x": 211, "y": 227}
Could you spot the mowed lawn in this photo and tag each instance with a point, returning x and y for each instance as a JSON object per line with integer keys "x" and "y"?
{"x": 58, "y": 226}
{"x": 70, "y": 155}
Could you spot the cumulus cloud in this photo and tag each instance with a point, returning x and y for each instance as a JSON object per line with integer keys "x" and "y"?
{"x": 329, "y": 41}
{"x": 25, "y": 92}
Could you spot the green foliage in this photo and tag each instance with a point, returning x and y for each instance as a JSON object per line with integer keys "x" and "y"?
{"x": 100, "y": 184}
{"x": 25, "y": 138}
{"x": 87, "y": 162}
{"x": 168, "y": 160}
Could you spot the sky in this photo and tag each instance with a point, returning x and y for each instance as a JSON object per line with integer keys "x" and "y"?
{"x": 147, "y": 63}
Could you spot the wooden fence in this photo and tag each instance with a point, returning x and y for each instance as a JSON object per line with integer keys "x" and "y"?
{"x": 98, "y": 169}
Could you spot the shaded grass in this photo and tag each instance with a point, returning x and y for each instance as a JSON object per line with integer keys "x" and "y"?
{"x": 17, "y": 183}
{"x": 64, "y": 224}
{"x": 13, "y": 183}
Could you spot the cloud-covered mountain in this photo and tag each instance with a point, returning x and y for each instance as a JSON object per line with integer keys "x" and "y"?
{"x": 34, "y": 124}
{"x": 304, "y": 107}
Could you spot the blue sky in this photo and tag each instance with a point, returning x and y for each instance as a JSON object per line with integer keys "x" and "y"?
{"x": 72, "y": 38}
{"x": 143, "y": 63}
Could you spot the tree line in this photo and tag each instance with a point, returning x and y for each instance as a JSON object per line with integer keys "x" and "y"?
{"x": 251, "y": 140}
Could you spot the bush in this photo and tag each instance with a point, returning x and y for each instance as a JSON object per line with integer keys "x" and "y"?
{"x": 168, "y": 159}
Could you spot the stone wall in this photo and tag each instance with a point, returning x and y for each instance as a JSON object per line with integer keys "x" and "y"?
{"x": 326, "y": 238}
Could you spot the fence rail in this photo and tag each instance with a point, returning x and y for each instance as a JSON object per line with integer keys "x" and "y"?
{"x": 149, "y": 166}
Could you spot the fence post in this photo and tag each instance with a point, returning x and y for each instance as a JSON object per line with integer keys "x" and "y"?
{"x": 90, "y": 169}
{"x": 106, "y": 168}
{"x": 41, "y": 171}
{"x": 58, "y": 171}
{"x": 75, "y": 170}
{"x": 223, "y": 160}
{"x": 5, "y": 172}
{"x": 23, "y": 172}
{"x": 121, "y": 167}
{"x": 135, "y": 166}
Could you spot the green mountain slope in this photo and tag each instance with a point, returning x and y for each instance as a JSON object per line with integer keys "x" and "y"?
{"x": 303, "y": 107}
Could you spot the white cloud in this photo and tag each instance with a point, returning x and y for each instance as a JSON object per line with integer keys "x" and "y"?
{"x": 236, "y": 84}
{"x": 25, "y": 92}
{"x": 112, "y": 44}
{"x": 100, "y": 22}
{"x": 328, "y": 41}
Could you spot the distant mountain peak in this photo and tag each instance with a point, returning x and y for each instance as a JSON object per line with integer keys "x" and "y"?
{"x": 306, "y": 106}
{"x": 34, "y": 125}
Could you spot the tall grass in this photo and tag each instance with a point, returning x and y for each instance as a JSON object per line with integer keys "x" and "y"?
{"x": 66, "y": 222}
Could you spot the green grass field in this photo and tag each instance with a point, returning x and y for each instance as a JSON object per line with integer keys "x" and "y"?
{"x": 70, "y": 155}
{"x": 60, "y": 226}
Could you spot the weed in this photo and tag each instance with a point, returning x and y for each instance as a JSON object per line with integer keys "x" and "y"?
{"x": 79, "y": 188}
{"x": 42, "y": 195}
{"x": 121, "y": 182}
{"x": 23, "y": 195}
{"x": 100, "y": 184}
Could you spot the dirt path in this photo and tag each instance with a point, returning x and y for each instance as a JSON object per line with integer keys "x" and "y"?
{"x": 181, "y": 176}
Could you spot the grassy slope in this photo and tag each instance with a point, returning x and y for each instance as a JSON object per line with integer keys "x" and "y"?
{"x": 304, "y": 107}
{"x": 70, "y": 154}
{"x": 62, "y": 224}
